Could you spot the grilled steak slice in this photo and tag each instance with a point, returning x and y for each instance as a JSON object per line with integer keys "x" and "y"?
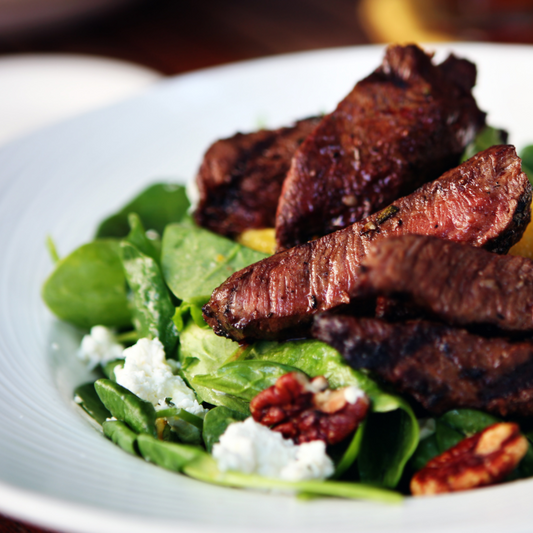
{"x": 485, "y": 202}
{"x": 240, "y": 178}
{"x": 440, "y": 366}
{"x": 404, "y": 125}
{"x": 459, "y": 284}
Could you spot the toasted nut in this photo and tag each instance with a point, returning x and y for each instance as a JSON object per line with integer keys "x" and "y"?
{"x": 306, "y": 410}
{"x": 483, "y": 459}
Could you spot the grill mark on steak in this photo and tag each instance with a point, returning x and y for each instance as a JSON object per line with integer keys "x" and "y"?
{"x": 240, "y": 178}
{"x": 404, "y": 125}
{"x": 482, "y": 203}
{"x": 458, "y": 284}
{"x": 440, "y": 366}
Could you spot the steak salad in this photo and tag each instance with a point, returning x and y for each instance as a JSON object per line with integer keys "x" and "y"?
{"x": 389, "y": 355}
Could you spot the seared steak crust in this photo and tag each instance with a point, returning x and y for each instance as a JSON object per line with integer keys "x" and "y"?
{"x": 240, "y": 178}
{"x": 459, "y": 284}
{"x": 485, "y": 202}
{"x": 440, "y": 366}
{"x": 404, "y": 125}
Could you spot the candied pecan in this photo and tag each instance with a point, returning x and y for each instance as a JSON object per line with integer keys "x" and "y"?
{"x": 482, "y": 459}
{"x": 304, "y": 410}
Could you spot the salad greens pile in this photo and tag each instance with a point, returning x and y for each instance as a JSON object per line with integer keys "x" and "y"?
{"x": 153, "y": 284}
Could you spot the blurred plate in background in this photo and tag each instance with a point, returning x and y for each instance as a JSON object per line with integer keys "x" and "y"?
{"x": 38, "y": 90}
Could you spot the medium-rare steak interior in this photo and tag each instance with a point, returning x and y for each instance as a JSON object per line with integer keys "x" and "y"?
{"x": 240, "y": 179}
{"x": 485, "y": 202}
{"x": 442, "y": 367}
{"x": 405, "y": 124}
{"x": 458, "y": 284}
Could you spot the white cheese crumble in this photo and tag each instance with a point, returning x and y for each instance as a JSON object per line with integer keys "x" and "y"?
{"x": 99, "y": 347}
{"x": 427, "y": 427}
{"x": 353, "y": 393}
{"x": 147, "y": 374}
{"x": 252, "y": 448}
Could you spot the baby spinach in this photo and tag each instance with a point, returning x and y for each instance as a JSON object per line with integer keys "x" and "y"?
{"x": 389, "y": 440}
{"x": 88, "y": 287}
{"x": 172, "y": 456}
{"x": 352, "y": 451}
{"x": 85, "y": 396}
{"x": 314, "y": 358}
{"x": 243, "y": 379}
{"x": 152, "y": 308}
{"x": 119, "y": 433}
{"x": 215, "y": 423}
{"x": 158, "y": 205}
{"x": 486, "y": 138}
{"x": 137, "y": 237}
{"x": 126, "y": 406}
{"x": 204, "y": 468}
{"x": 109, "y": 368}
{"x": 195, "y": 261}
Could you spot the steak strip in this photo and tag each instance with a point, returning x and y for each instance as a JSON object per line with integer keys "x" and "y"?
{"x": 240, "y": 179}
{"x": 402, "y": 126}
{"x": 459, "y": 284}
{"x": 440, "y": 366}
{"x": 485, "y": 202}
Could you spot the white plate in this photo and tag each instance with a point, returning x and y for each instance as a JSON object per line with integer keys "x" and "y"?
{"x": 55, "y": 469}
{"x": 40, "y": 89}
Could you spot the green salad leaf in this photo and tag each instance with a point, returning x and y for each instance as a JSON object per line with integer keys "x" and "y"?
{"x": 88, "y": 287}
{"x": 152, "y": 308}
{"x": 195, "y": 261}
{"x": 243, "y": 379}
{"x": 216, "y": 422}
{"x": 486, "y": 138}
{"x": 158, "y": 205}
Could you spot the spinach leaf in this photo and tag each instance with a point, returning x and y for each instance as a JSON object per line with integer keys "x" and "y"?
{"x": 195, "y": 261}
{"x": 204, "y": 468}
{"x": 188, "y": 310}
{"x": 243, "y": 379}
{"x": 127, "y": 407}
{"x": 88, "y": 287}
{"x": 486, "y": 138}
{"x": 171, "y": 456}
{"x": 216, "y": 422}
{"x": 152, "y": 308}
{"x": 468, "y": 421}
{"x": 389, "y": 441}
{"x": 201, "y": 352}
{"x": 426, "y": 450}
{"x": 158, "y": 205}
{"x": 314, "y": 358}
{"x": 526, "y": 154}
{"x": 85, "y": 396}
{"x": 137, "y": 237}
{"x": 120, "y": 434}
{"x": 352, "y": 451}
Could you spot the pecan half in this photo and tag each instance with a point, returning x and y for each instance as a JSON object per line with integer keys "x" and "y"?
{"x": 483, "y": 459}
{"x": 304, "y": 410}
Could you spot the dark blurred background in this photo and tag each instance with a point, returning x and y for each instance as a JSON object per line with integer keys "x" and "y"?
{"x": 175, "y": 36}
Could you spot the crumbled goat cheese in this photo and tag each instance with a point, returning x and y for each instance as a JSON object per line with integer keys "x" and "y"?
{"x": 100, "y": 347}
{"x": 353, "y": 393}
{"x": 147, "y": 374}
{"x": 427, "y": 427}
{"x": 252, "y": 448}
